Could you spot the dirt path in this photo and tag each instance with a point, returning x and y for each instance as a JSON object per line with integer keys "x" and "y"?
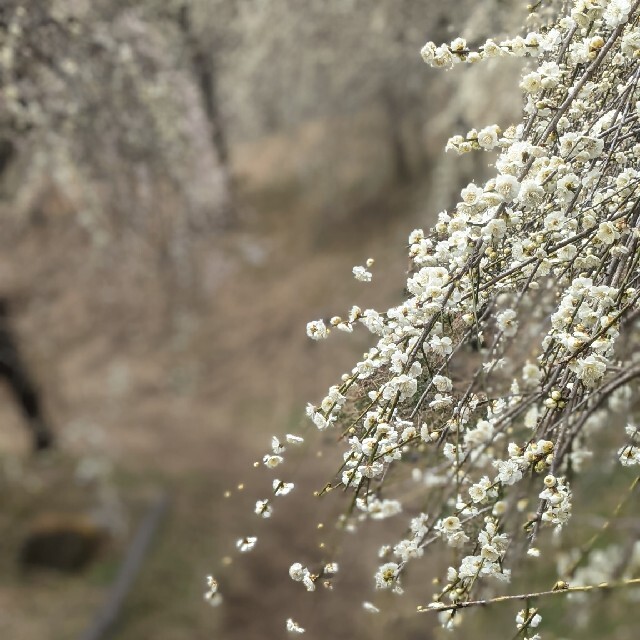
{"x": 184, "y": 399}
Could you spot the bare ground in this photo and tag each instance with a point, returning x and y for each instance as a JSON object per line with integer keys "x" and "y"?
{"x": 184, "y": 397}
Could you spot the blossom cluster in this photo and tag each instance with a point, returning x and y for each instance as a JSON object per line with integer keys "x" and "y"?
{"x": 484, "y": 386}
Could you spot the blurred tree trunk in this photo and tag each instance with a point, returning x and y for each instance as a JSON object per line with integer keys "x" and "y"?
{"x": 204, "y": 71}
{"x": 7, "y": 152}
{"x": 14, "y": 370}
{"x": 395, "y": 116}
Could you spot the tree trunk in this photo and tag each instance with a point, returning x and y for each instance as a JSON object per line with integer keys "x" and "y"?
{"x": 204, "y": 71}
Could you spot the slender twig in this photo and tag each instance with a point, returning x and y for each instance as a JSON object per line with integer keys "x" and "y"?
{"x": 603, "y": 586}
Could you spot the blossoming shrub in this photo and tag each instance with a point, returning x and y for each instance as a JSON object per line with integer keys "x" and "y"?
{"x": 475, "y": 410}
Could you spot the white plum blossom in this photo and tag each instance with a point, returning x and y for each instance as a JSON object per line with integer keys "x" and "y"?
{"x": 361, "y": 273}
{"x": 293, "y": 627}
{"x": 532, "y": 82}
{"x": 272, "y": 461}
{"x": 509, "y": 471}
{"x": 441, "y": 345}
{"x": 531, "y": 374}
{"x": 317, "y": 330}
{"x": 299, "y": 573}
{"x": 263, "y": 508}
{"x": 589, "y": 370}
{"x": 557, "y": 496}
{"x": 370, "y": 607}
{"x": 507, "y": 322}
{"x": 212, "y": 595}
{"x": 629, "y": 455}
{"x": 246, "y": 544}
{"x": 507, "y": 186}
{"x": 386, "y": 575}
{"x": 531, "y": 617}
{"x": 488, "y": 137}
{"x": 282, "y": 488}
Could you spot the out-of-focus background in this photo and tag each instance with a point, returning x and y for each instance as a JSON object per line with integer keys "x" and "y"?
{"x": 183, "y": 185}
